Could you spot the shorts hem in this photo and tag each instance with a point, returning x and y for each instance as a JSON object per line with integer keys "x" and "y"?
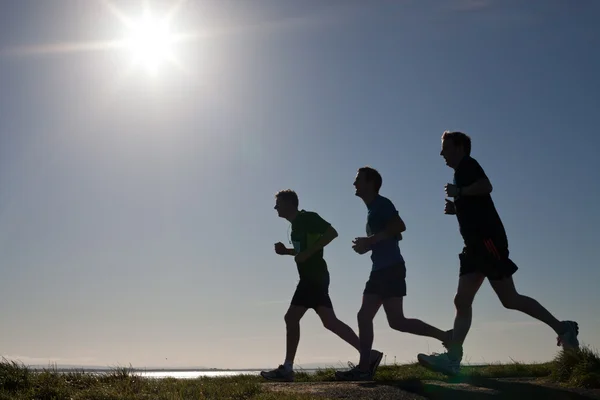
{"x": 387, "y": 282}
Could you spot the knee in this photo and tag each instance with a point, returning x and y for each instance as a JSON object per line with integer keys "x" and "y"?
{"x": 291, "y": 319}
{"x": 397, "y": 323}
{"x": 462, "y": 302}
{"x": 510, "y": 302}
{"x": 363, "y": 317}
{"x": 330, "y": 323}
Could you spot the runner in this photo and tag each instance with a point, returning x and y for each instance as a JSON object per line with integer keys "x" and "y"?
{"x": 310, "y": 234}
{"x": 386, "y": 285}
{"x": 485, "y": 255}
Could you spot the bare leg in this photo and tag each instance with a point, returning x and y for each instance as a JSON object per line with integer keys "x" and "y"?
{"x": 395, "y": 316}
{"x": 468, "y": 286}
{"x": 449, "y": 363}
{"x": 331, "y": 322}
{"x": 292, "y": 325}
{"x": 511, "y": 299}
{"x": 368, "y": 310}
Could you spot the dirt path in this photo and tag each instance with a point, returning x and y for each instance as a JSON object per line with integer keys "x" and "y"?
{"x": 345, "y": 390}
{"x": 473, "y": 389}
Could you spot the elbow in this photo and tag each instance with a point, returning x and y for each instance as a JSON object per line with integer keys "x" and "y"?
{"x": 402, "y": 227}
{"x": 481, "y": 187}
{"x": 333, "y": 233}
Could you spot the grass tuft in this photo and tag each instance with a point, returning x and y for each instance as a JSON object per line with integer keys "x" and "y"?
{"x": 578, "y": 368}
{"x": 13, "y": 376}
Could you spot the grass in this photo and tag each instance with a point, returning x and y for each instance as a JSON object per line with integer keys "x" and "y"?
{"x": 572, "y": 369}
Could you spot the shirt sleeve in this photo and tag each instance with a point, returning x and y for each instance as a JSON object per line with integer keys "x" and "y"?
{"x": 316, "y": 224}
{"x": 472, "y": 173}
{"x": 387, "y": 211}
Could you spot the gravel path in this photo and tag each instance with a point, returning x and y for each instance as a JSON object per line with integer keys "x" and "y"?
{"x": 346, "y": 390}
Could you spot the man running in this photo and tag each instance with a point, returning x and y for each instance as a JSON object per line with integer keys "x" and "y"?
{"x": 386, "y": 284}
{"x": 485, "y": 255}
{"x": 310, "y": 234}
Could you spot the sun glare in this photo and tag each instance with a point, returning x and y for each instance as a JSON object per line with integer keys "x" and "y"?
{"x": 150, "y": 43}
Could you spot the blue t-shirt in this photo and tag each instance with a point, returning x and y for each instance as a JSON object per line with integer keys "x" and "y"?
{"x": 387, "y": 252}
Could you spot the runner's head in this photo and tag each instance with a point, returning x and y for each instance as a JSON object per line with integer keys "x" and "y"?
{"x": 455, "y": 146}
{"x": 286, "y": 203}
{"x": 367, "y": 182}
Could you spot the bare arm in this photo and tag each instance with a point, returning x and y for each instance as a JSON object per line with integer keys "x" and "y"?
{"x": 481, "y": 187}
{"x": 284, "y": 251}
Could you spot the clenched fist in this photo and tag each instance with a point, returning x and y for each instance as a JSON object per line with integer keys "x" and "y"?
{"x": 450, "y": 208}
{"x": 280, "y": 248}
{"x": 451, "y": 190}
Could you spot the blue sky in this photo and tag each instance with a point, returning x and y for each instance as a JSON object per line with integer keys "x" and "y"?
{"x": 136, "y": 210}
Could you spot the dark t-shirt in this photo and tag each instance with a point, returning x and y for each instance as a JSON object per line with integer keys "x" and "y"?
{"x": 387, "y": 252}
{"x": 307, "y": 228}
{"x": 477, "y": 215}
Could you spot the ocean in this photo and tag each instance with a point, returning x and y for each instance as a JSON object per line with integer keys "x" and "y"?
{"x": 199, "y": 373}
{"x": 192, "y": 374}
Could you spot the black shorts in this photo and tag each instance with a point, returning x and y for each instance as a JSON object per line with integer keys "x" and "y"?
{"x": 312, "y": 293}
{"x": 488, "y": 257}
{"x": 387, "y": 282}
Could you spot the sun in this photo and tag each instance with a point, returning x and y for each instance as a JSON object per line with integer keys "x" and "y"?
{"x": 150, "y": 42}
{"x": 147, "y": 40}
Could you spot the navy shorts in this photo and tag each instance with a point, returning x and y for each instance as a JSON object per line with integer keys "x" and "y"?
{"x": 487, "y": 257}
{"x": 387, "y": 282}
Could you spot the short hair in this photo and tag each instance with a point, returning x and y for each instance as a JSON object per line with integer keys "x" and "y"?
{"x": 288, "y": 195}
{"x": 459, "y": 139}
{"x": 371, "y": 175}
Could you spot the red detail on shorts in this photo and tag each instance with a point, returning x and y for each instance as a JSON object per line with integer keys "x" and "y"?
{"x": 489, "y": 244}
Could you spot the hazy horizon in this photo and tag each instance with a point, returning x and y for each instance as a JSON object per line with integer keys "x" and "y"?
{"x": 136, "y": 199}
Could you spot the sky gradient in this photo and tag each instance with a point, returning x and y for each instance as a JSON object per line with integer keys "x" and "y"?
{"x": 136, "y": 211}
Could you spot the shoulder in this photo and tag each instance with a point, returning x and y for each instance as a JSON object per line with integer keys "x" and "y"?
{"x": 474, "y": 162}
{"x": 468, "y": 172}
{"x": 469, "y": 164}
{"x": 310, "y": 217}
{"x": 309, "y": 214}
{"x": 385, "y": 204}
{"x": 300, "y": 218}
{"x": 385, "y": 201}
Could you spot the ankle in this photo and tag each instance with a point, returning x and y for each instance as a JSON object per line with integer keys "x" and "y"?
{"x": 454, "y": 350}
{"x": 363, "y": 368}
{"x": 563, "y": 327}
{"x": 448, "y": 336}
